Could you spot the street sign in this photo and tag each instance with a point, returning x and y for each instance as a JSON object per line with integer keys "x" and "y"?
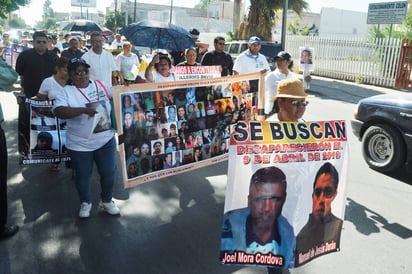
{"x": 84, "y": 3}
{"x": 387, "y": 12}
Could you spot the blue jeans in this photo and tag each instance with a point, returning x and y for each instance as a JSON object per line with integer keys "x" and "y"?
{"x": 82, "y": 162}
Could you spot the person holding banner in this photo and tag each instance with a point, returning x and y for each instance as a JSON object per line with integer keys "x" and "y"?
{"x": 290, "y": 102}
{"x": 323, "y": 228}
{"x": 260, "y": 227}
{"x": 219, "y": 57}
{"x": 190, "y": 56}
{"x": 55, "y": 83}
{"x": 162, "y": 64}
{"x": 85, "y": 145}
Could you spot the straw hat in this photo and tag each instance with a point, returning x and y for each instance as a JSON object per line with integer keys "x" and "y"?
{"x": 290, "y": 88}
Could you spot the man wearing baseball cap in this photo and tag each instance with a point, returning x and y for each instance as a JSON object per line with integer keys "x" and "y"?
{"x": 290, "y": 102}
{"x": 251, "y": 60}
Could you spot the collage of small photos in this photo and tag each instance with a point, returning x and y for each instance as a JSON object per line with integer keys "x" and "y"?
{"x": 170, "y": 128}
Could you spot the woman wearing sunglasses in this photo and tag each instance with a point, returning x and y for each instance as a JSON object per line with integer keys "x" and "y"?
{"x": 89, "y": 138}
{"x": 289, "y": 103}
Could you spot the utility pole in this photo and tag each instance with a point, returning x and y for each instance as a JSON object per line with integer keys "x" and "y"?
{"x": 115, "y": 16}
{"x": 171, "y": 11}
{"x": 134, "y": 15}
{"x": 284, "y": 22}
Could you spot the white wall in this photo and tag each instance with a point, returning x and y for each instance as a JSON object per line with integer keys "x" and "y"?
{"x": 342, "y": 22}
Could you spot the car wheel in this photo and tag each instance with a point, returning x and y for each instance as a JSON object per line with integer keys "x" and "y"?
{"x": 383, "y": 148}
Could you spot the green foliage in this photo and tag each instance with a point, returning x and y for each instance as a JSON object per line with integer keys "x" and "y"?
{"x": 48, "y": 12}
{"x": 121, "y": 20}
{"x": 7, "y": 6}
{"x": 297, "y": 29}
{"x": 17, "y": 23}
{"x": 231, "y": 36}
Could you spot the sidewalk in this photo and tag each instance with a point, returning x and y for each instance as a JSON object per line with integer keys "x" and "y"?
{"x": 168, "y": 226}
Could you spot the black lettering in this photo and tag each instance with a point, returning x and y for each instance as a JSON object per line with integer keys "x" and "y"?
{"x": 292, "y": 134}
{"x": 304, "y": 132}
{"x": 241, "y": 133}
{"x": 276, "y": 131}
{"x": 255, "y": 131}
{"x": 314, "y": 131}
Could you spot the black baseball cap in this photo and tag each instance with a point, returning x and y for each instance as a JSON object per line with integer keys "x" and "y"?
{"x": 283, "y": 55}
{"x": 75, "y": 62}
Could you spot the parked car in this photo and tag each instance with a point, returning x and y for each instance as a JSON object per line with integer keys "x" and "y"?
{"x": 384, "y": 125}
{"x": 269, "y": 49}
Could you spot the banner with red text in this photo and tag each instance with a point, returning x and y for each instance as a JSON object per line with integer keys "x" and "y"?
{"x": 169, "y": 128}
{"x": 196, "y": 72}
{"x": 286, "y": 192}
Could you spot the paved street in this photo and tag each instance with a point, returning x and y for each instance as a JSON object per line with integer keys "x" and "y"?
{"x": 173, "y": 225}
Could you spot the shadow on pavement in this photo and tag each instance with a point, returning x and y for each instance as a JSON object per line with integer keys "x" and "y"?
{"x": 358, "y": 215}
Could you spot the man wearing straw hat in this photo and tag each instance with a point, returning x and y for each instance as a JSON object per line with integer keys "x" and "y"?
{"x": 290, "y": 102}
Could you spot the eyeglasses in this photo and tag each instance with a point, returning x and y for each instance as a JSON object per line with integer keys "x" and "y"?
{"x": 81, "y": 72}
{"x": 328, "y": 192}
{"x": 41, "y": 41}
{"x": 220, "y": 43}
{"x": 297, "y": 103}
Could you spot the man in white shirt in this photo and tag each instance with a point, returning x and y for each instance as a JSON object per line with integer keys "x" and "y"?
{"x": 251, "y": 60}
{"x": 283, "y": 71}
{"x": 102, "y": 65}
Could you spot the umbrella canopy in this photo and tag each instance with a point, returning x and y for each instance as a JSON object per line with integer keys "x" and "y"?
{"x": 158, "y": 35}
{"x": 82, "y": 25}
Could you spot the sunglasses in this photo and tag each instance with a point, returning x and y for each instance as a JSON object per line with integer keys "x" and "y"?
{"x": 297, "y": 103}
{"x": 328, "y": 192}
{"x": 81, "y": 72}
{"x": 220, "y": 43}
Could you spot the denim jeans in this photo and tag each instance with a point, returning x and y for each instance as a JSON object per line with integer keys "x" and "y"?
{"x": 82, "y": 162}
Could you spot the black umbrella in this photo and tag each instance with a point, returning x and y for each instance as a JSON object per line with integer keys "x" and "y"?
{"x": 82, "y": 25}
{"x": 158, "y": 35}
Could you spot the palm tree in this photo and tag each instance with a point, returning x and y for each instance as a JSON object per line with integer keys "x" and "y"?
{"x": 262, "y": 17}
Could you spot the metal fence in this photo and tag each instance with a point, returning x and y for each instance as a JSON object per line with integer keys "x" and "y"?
{"x": 354, "y": 59}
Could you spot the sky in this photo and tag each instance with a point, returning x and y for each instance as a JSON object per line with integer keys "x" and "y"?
{"x": 34, "y": 11}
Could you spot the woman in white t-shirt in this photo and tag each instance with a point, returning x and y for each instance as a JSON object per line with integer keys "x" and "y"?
{"x": 128, "y": 63}
{"x": 82, "y": 104}
{"x": 162, "y": 64}
{"x": 55, "y": 83}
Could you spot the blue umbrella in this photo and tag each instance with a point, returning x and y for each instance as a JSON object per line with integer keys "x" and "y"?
{"x": 158, "y": 35}
{"x": 82, "y": 25}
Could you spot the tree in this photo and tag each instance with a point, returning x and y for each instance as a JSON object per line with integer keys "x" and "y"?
{"x": 7, "y": 6}
{"x": 121, "y": 20}
{"x": 262, "y": 17}
{"x": 48, "y": 21}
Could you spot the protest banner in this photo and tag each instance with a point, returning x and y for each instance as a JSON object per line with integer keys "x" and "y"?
{"x": 286, "y": 192}
{"x": 169, "y": 128}
{"x": 196, "y": 72}
{"x": 46, "y": 140}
